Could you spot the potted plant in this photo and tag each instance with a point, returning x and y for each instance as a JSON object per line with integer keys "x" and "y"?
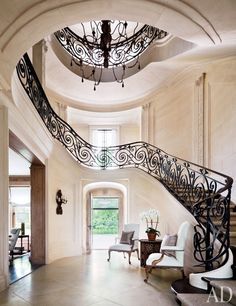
{"x": 152, "y": 233}
{"x": 151, "y": 217}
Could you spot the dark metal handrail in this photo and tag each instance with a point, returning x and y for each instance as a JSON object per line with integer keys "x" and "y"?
{"x": 204, "y": 192}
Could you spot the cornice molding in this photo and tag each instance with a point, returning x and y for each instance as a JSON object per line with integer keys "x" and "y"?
{"x": 187, "y": 74}
{"x": 37, "y": 10}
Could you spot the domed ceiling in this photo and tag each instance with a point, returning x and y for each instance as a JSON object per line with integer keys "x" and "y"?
{"x": 157, "y": 66}
{"x": 137, "y": 63}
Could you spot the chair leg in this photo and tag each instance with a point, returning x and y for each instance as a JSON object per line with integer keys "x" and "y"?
{"x": 138, "y": 254}
{"x": 11, "y": 259}
{"x": 109, "y": 255}
{"x": 148, "y": 270}
{"x": 124, "y": 254}
{"x": 129, "y": 257}
{"x": 183, "y": 275}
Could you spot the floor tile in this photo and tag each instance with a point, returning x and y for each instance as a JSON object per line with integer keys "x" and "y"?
{"x": 91, "y": 280}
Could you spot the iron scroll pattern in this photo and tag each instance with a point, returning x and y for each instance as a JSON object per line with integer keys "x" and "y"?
{"x": 205, "y": 193}
{"x": 121, "y": 52}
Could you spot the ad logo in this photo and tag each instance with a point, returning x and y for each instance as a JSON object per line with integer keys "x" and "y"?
{"x": 224, "y": 290}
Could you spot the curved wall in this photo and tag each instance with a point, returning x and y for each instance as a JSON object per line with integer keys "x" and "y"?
{"x": 46, "y": 17}
{"x": 25, "y": 24}
{"x": 66, "y": 233}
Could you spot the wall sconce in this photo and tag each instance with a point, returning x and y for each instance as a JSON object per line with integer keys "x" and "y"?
{"x": 60, "y": 199}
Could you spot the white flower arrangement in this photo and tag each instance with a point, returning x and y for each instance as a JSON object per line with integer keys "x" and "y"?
{"x": 151, "y": 217}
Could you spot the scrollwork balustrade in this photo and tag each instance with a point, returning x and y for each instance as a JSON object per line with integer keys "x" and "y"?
{"x": 204, "y": 192}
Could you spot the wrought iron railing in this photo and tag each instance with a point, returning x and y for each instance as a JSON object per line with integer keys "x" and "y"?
{"x": 204, "y": 192}
{"x": 123, "y": 50}
{"x": 105, "y": 50}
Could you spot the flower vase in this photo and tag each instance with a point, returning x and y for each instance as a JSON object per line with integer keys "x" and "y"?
{"x": 151, "y": 236}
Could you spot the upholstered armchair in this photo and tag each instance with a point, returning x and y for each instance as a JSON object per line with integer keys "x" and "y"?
{"x": 171, "y": 252}
{"x": 128, "y": 242}
{"x": 14, "y": 234}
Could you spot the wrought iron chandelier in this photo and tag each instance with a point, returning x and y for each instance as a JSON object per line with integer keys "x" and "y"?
{"x": 99, "y": 47}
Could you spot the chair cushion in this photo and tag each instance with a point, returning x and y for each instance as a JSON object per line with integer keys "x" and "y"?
{"x": 126, "y": 237}
{"x": 122, "y": 248}
{"x": 14, "y": 230}
{"x": 166, "y": 261}
{"x": 169, "y": 240}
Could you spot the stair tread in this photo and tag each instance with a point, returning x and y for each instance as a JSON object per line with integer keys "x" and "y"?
{"x": 232, "y": 214}
{"x": 229, "y": 289}
{"x": 183, "y": 286}
{"x": 220, "y": 222}
{"x": 196, "y": 299}
{"x": 224, "y": 283}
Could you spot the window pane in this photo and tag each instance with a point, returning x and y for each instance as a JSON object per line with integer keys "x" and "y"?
{"x": 103, "y": 203}
{"x": 104, "y": 137}
{"x": 98, "y": 138}
{"x": 20, "y": 195}
{"x": 19, "y": 210}
{"x": 110, "y": 138}
{"x": 22, "y": 215}
{"x": 105, "y": 221}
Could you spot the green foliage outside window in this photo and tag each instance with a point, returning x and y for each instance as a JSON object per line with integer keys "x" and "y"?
{"x": 105, "y": 221}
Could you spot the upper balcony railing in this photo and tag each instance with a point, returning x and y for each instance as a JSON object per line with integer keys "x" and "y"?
{"x": 204, "y": 192}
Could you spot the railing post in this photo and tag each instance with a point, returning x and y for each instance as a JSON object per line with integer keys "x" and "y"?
{"x": 208, "y": 265}
{"x": 104, "y": 152}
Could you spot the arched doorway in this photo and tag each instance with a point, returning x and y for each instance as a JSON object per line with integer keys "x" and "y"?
{"x": 105, "y": 213}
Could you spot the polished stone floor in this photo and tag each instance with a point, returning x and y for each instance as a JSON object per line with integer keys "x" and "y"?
{"x": 91, "y": 280}
{"x": 102, "y": 242}
{"x": 20, "y": 267}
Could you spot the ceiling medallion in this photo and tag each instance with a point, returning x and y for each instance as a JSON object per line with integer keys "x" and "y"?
{"x": 99, "y": 47}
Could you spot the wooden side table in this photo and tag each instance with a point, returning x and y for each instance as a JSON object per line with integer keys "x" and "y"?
{"x": 148, "y": 247}
{"x": 21, "y": 237}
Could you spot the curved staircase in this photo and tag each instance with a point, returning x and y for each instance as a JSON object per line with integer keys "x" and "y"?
{"x": 220, "y": 294}
{"x": 232, "y": 231}
{"x": 203, "y": 192}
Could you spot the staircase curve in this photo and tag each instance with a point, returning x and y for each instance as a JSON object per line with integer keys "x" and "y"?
{"x": 203, "y": 192}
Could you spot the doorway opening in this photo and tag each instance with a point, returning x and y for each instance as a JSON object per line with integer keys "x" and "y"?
{"x": 19, "y": 217}
{"x": 26, "y": 210}
{"x": 107, "y": 199}
{"x": 104, "y": 221}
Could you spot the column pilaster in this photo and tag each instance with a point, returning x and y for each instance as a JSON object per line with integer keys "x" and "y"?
{"x": 4, "y": 144}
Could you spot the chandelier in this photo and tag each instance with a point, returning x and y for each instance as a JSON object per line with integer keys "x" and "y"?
{"x": 104, "y": 50}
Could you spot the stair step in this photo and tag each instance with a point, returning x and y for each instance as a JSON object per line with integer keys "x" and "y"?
{"x": 188, "y": 299}
{"x": 232, "y": 207}
{"x": 183, "y": 286}
{"x": 232, "y": 236}
{"x": 217, "y": 222}
{"x": 225, "y": 286}
{"x": 232, "y": 225}
{"x": 232, "y": 216}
